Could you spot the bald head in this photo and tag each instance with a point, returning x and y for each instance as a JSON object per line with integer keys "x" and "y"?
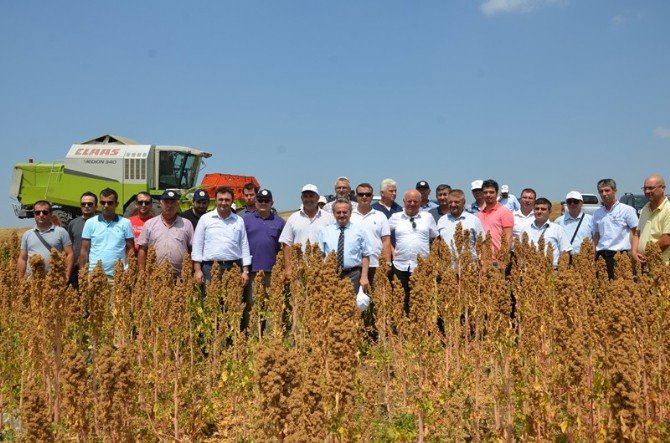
{"x": 412, "y": 202}
{"x": 654, "y": 189}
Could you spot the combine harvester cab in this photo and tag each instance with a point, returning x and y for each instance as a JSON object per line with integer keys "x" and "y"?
{"x": 116, "y": 162}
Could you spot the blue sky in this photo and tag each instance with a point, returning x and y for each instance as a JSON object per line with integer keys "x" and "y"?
{"x": 551, "y": 94}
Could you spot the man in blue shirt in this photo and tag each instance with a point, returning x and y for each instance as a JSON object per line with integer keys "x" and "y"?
{"x": 350, "y": 244}
{"x": 387, "y": 204}
{"x": 575, "y": 222}
{"x": 263, "y": 230}
{"x": 508, "y": 200}
{"x": 106, "y": 237}
{"x": 424, "y": 189}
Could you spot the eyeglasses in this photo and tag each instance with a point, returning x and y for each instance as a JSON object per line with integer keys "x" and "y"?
{"x": 107, "y": 203}
{"x": 649, "y": 188}
{"x": 38, "y": 212}
{"x": 84, "y": 204}
{"x": 411, "y": 220}
{"x": 144, "y": 202}
{"x": 364, "y": 194}
{"x": 262, "y": 200}
{"x": 572, "y": 202}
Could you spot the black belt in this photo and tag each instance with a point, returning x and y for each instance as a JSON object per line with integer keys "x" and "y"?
{"x": 350, "y": 270}
{"x": 224, "y": 263}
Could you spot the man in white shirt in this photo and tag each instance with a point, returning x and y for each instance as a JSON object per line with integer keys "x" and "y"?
{"x": 414, "y": 232}
{"x": 552, "y": 233}
{"x": 220, "y": 237}
{"x": 303, "y": 226}
{"x": 376, "y": 226}
{"x": 524, "y": 216}
{"x": 457, "y": 215}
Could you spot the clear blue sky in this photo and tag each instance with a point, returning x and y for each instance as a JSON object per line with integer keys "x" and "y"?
{"x": 552, "y": 94}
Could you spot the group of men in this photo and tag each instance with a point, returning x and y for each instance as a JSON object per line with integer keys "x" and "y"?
{"x": 357, "y": 232}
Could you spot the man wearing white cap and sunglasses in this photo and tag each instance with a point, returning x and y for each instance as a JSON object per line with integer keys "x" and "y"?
{"x": 575, "y": 222}
{"x": 304, "y": 225}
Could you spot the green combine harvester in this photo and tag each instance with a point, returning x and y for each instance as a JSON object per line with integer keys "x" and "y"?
{"x": 111, "y": 161}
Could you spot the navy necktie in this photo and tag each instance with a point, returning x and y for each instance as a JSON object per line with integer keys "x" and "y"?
{"x": 340, "y": 249}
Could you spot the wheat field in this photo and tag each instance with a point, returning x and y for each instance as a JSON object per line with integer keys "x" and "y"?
{"x": 583, "y": 359}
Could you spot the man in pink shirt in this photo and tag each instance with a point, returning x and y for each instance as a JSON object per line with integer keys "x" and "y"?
{"x": 496, "y": 219}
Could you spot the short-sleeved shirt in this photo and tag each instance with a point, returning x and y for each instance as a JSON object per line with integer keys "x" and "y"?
{"x": 263, "y": 235}
{"x": 328, "y": 207}
{"x": 388, "y": 212}
{"x": 510, "y": 202}
{"x": 428, "y": 206}
{"x": 614, "y": 227}
{"x": 653, "y": 225}
{"x": 108, "y": 241}
{"x": 413, "y": 236}
{"x": 220, "y": 239}
{"x": 569, "y": 225}
{"x": 190, "y": 216}
{"x": 300, "y": 228}
{"x": 553, "y": 234}
{"x": 56, "y": 236}
{"x": 74, "y": 229}
{"x": 474, "y": 208}
{"x": 494, "y": 220}
{"x": 169, "y": 241}
{"x": 437, "y": 213}
{"x": 376, "y": 226}
{"x": 356, "y": 244}
{"x": 521, "y": 222}
{"x": 138, "y": 224}
{"x": 446, "y": 227}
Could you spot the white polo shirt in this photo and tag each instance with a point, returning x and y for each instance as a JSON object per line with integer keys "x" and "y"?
{"x": 614, "y": 227}
{"x": 300, "y": 228}
{"x": 412, "y": 238}
{"x": 376, "y": 225}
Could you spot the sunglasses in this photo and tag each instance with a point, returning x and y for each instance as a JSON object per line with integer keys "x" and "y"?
{"x": 107, "y": 203}
{"x": 572, "y": 202}
{"x": 144, "y": 202}
{"x": 38, "y": 212}
{"x": 411, "y": 220}
{"x": 262, "y": 200}
{"x": 364, "y": 194}
{"x": 84, "y": 204}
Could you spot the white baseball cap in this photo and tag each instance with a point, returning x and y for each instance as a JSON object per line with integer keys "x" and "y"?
{"x": 504, "y": 188}
{"x": 574, "y": 195}
{"x": 310, "y": 188}
{"x": 477, "y": 184}
{"x": 322, "y": 199}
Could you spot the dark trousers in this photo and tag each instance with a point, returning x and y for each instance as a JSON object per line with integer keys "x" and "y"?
{"x": 224, "y": 266}
{"x": 248, "y": 297}
{"x": 353, "y": 274}
{"x": 404, "y": 276}
{"x": 371, "y": 276}
{"x": 608, "y": 256}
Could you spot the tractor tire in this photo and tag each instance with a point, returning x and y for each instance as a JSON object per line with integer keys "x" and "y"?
{"x": 61, "y": 218}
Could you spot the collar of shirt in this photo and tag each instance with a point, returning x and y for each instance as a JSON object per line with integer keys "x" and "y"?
{"x": 257, "y": 215}
{"x": 407, "y": 217}
{"x": 101, "y": 219}
{"x": 50, "y": 228}
{"x": 452, "y": 218}
{"x": 356, "y": 211}
{"x": 534, "y": 226}
{"x": 520, "y": 214}
{"x": 661, "y": 206}
{"x": 304, "y": 214}
{"x": 491, "y": 208}
{"x": 570, "y": 217}
{"x": 614, "y": 205}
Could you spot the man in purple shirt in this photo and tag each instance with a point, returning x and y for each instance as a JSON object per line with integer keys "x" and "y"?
{"x": 263, "y": 228}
